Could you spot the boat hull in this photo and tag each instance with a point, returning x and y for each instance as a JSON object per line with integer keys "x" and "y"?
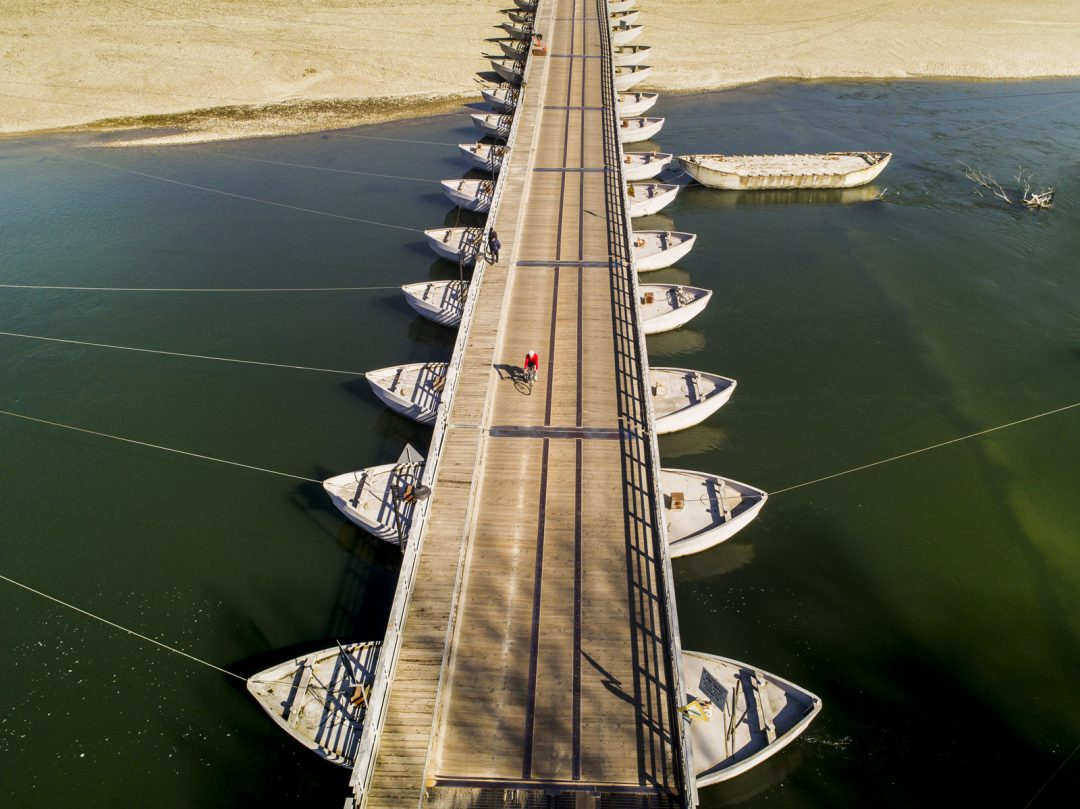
{"x": 634, "y": 105}
{"x": 629, "y": 57}
{"x": 294, "y": 695}
{"x": 496, "y": 126}
{"x": 413, "y": 391}
{"x": 631, "y": 77}
{"x": 459, "y": 245}
{"x": 680, "y": 245}
{"x": 635, "y": 130}
{"x": 470, "y": 195}
{"x": 515, "y": 49}
{"x": 624, "y": 35}
{"x": 515, "y": 32}
{"x": 627, "y": 17}
{"x": 372, "y": 499}
{"x": 649, "y": 199}
{"x": 723, "y": 747}
{"x": 691, "y": 410}
{"x": 441, "y": 302}
{"x": 483, "y": 156}
{"x": 713, "y": 509}
{"x": 506, "y": 72}
{"x": 500, "y": 100}
{"x": 644, "y": 165}
{"x": 673, "y": 306}
{"x": 714, "y": 177}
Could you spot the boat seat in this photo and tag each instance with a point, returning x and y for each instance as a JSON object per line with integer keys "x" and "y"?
{"x": 438, "y": 384}
{"x": 359, "y": 696}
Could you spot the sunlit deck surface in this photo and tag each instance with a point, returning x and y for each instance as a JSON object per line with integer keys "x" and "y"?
{"x": 536, "y": 660}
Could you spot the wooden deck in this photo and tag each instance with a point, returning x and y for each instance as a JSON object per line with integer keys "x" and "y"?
{"x": 535, "y": 654}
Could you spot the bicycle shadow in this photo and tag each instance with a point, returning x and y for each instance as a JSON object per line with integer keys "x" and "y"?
{"x": 516, "y": 375}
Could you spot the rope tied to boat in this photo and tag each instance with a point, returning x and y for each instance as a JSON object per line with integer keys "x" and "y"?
{"x": 125, "y": 629}
{"x": 928, "y": 448}
{"x": 244, "y": 196}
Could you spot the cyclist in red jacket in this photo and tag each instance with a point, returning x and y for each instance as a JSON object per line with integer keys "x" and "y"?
{"x": 532, "y": 365}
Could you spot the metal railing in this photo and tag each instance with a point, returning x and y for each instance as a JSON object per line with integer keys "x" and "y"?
{"x": 378, "y": 704}
{"x": 628, "y": 305}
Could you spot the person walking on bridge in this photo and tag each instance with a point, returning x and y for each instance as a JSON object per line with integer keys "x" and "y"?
{"x": 494, "y": 245}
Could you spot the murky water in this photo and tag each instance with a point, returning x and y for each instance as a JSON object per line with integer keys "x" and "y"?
{"x": 932, "y": 602}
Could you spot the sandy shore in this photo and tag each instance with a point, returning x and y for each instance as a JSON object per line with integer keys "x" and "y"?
{"x": 226, "y": 69}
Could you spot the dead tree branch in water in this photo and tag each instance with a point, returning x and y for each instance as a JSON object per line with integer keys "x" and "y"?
{"x": 1033, "y": 199}
{"x": 985, "y": 181}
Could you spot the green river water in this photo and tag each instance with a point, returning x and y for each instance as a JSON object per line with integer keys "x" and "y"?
{"x": 932, "y": 603}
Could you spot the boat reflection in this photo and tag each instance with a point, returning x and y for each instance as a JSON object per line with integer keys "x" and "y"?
{"x": 701, "y": 197}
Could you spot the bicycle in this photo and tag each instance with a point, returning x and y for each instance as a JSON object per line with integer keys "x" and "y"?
{"x": 524, "y": 379}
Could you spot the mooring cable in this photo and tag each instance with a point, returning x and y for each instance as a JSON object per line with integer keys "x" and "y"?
{"x": 244, "y": 196}
{"x": 926, "y": 449}
{"x": 180, "y": 354}
{"x": 157, "y": 446}
{"x": 194, "y": 289}
{"x": 147, "y": 638}
{"x": 115, "y": 625}
{"x": 395, "y": 140}
{"x": 227, "y": 156}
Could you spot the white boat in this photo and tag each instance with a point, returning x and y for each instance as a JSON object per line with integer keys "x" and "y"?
{"x": 514, "y": 48}
{"x": 520, "y": 16}
{"x": 413, "y": 390}
{"x": 439, "y": 301}
{"x": 502, "y": 98}
{"x": 320, "y": 699}
{"x": 631, "y": 76}
{"x": 485, "y": 156}
{"x": 632, "y": 105}
{"x": 380, "y": 499}
{"x": 630, "y": 54}
{"x": 658, "y": 249}
{"x": 644, "y": 165}
{"x": 702, "y": 510}
{"x": 472, "y": 195}
{"x": 459, "y": 245}
{"x": 624, "y": 34}
{"x": 648, "y": 198}
{"x": 509, "y": 70}
{"x": 526, "y": 5}
{"x": 754, "y": 715}
{"x": 635, "y": 130}
{"x": 616, "y": 6}
{"x": 683, "y": 398}
{"x": 495, "y": 126}
{"x": 668, "y": 306}
{"x": 515, "y": 31}
{"x": 771, "y": 172}
{"x": 621, "y": 18}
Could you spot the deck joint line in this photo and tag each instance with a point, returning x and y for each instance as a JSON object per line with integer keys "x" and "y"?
{"x": 578, "y": 433}
{"x": 561, "y": 263}
{"x": 572, "y": 169}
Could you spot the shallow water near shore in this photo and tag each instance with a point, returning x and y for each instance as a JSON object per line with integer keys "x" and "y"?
{"x": 932, "y": 603}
